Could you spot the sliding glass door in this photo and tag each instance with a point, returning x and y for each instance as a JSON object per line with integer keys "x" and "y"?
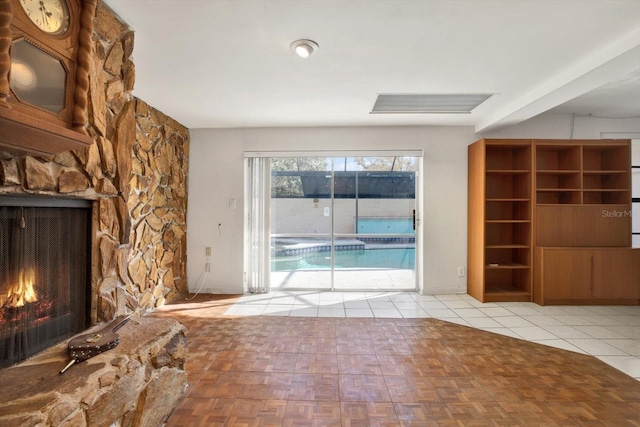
{"x": 343, "y": 223}
{"x": 374, "y": 230}
{"x": 301, "y": 223}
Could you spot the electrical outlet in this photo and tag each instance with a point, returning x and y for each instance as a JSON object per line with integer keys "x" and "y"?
{"x": 460, "y": 271}
{"x": 207, "y": 251}
{"x": 207, "y": 267}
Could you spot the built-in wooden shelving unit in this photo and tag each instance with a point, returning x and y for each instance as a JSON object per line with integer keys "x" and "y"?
{"x": 527, "y": 195}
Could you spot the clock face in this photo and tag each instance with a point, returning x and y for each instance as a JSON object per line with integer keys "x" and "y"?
{"x": 51, "y": 16}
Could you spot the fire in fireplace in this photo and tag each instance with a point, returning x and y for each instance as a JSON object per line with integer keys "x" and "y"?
{"x": 18, "y": 296}
{"x": 44, "y": 273}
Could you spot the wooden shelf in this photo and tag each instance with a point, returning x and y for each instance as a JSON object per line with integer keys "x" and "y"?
{"x": 557, "y": 171}
{"x": 507, "y": 266}
{"x": 603, "y": 172}
{"x": 559, "y": 190}
{"x": 605, "y": 190}
{"x": 508, "y": 171}
{"x": 24, "y": 134}
{"x": 507, "y": 295}
{"x": 508, "y": 285}
{"x": 556, "y": 204}
{"x": 506, "y": 290}
{"x": 552, "y": 180}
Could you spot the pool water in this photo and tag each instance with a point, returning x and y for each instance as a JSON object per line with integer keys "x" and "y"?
{"x": 400, "y": 258}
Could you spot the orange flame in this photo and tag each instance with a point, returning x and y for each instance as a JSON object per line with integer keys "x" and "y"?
{"x": 24, "y": 292}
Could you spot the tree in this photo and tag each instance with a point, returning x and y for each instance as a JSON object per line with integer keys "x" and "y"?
{"x": 291, "y": 186}
{"x": 299, "y": 164}
{"x": 385, "y": 163}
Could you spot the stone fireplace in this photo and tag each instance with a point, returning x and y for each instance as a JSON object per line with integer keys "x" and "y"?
{"x": 134, "y": 176}
{"x": 133, "y": 179}
{"x": 44, "y": 273}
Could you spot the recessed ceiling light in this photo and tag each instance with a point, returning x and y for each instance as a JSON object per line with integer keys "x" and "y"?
{"x": 304, "y": 48}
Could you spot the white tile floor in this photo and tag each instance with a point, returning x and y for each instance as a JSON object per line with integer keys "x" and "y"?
{"x": 610, "y": 333}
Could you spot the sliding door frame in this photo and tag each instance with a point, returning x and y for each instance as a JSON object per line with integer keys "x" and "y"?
{"x": 417, "y": 154}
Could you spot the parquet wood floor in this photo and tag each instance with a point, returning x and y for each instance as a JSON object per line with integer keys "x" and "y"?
{"x": 286, "y": 371}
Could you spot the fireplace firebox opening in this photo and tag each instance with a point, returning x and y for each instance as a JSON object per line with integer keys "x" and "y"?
{"x": 45, "y": 287}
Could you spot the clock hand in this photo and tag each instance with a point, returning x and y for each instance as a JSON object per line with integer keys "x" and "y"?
{"x": 44, "y": 16}
{"x": 45, "y": 12}
{"x": 43, "y": 8}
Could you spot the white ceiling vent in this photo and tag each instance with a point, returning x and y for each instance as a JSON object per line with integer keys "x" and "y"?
{"x": 428, "y": 103}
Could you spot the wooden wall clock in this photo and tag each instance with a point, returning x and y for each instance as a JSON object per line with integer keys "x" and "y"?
{"x": 45, "y": 54}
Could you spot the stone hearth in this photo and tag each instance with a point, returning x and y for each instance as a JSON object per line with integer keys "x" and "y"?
{"x": 138, "y": 383}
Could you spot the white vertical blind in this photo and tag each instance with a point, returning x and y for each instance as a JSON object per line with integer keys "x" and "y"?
{"x": 257, "y": 227}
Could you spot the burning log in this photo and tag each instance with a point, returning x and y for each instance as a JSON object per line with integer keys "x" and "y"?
{"x": 30, "y": 311}
{"x": 21, "y": 300}
{"x": 23, "y": 292}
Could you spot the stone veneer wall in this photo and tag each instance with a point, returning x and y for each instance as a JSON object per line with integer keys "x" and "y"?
{"x": 136, "y": 172}
{"x": 136, "y": 384}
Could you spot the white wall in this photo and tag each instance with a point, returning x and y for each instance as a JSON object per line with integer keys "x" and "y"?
{"x": 550, "y": 125}
{"x": 216, "y": 176}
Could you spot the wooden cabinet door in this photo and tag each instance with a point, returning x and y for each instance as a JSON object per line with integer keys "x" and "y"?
{"x": 617, "y": 274}
{"x": 567, "y": 274}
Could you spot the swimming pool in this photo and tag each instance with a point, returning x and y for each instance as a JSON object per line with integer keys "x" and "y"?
{"x": 396, "y": 258}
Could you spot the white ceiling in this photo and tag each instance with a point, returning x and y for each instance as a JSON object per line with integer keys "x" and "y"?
{"x": 227, "y": 63}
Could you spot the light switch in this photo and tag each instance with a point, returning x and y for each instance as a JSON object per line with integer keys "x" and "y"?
{"x": 233, "y": 203}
